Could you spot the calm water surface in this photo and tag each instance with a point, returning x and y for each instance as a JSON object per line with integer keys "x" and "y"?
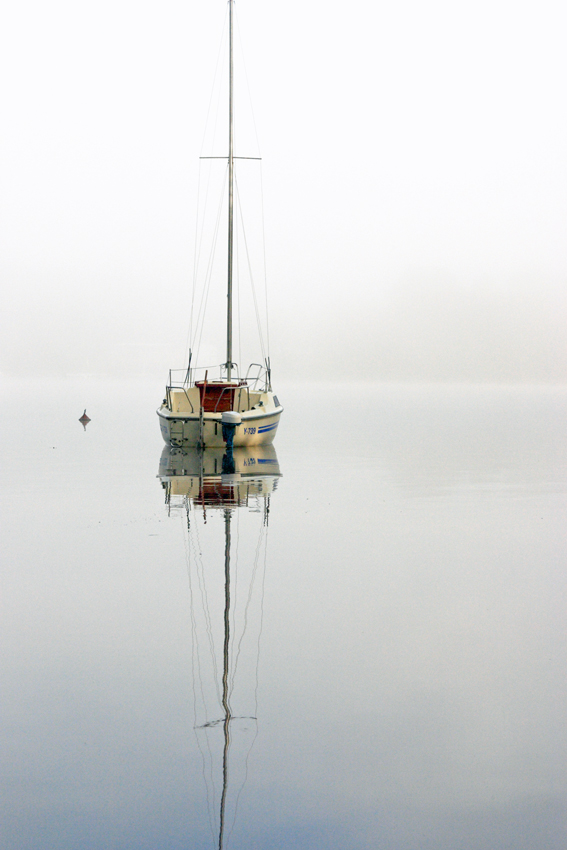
{"x": 395, "y": 651}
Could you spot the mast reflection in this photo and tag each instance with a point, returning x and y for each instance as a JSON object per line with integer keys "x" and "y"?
{"x": 197, "y": 488}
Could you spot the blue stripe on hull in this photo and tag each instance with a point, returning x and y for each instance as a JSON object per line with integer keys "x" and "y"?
{"x": 267, "y": 428}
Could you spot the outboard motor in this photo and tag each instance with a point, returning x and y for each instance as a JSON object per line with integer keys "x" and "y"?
{"x": 230, "y": 421}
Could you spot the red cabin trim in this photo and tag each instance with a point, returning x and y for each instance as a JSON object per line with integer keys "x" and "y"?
{"x": 215, "y": 398}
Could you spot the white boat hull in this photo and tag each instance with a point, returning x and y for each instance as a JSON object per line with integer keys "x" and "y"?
{"x": 256, "y": 429}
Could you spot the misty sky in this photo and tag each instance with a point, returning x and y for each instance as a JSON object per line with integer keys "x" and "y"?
{"x": 415, "y": 185}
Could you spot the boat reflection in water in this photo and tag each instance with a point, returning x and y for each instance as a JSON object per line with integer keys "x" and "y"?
{"x": 225, "y": 520}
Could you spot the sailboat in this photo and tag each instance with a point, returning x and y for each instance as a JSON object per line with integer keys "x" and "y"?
{"x": 197, "y": 405}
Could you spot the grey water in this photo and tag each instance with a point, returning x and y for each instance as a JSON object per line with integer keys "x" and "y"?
{"x": 398, "y": 641}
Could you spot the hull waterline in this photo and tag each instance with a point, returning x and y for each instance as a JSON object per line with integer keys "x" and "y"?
{"x": 186, "y": 430}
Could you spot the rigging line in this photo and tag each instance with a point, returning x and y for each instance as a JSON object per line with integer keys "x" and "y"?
{"x": 253, "y": 288}
{"x": 199, "y": 236}
{"x": 255, "y": 126}
{"x": 221, "y": 60}
{"x": 196, "y": 256}
{"x": 264, "y": 537}
{"x": 238, "y": 290}
{"x": 217, "y": 113}
{"x": 257, "y": 728}
{"x": 195, "y": 630}
{"x": 209, "y": 270}
{"x": 241, "y": 789}
{"x": 211, "y": 784}
{"x": 227, "y": 636}
{"x": 197, "y": 249}
{"x": 265, "y": 260}
{"x": 235, "y": 606}
{"x": 245, "y": 619}
{"x": 195, "y": 650}
{"x": 194, "y": 633}
{"x": 248, "y": 90}
{"x": 207, "y": 615}
{"x": 249, "y": 600}
{"x": 262, "y": 596}
{"x": 209, "y": 273}
{"x": 209, "y": 780}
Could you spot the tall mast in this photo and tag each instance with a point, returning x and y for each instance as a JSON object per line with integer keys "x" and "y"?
{"x": 230, "y": 197}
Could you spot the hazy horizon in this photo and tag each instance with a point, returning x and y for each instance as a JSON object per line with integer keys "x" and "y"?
{"x": 415, "y": 187}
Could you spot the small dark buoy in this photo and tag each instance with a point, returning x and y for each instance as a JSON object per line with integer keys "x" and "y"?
{"x": 84, "y": 417}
